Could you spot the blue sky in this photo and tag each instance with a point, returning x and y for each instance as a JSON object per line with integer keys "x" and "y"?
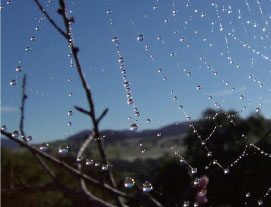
{"x": 198, "y": 25}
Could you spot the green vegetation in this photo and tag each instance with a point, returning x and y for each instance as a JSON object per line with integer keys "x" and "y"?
{"x": 159, "y": 165}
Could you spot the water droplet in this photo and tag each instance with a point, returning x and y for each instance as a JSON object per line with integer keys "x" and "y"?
{"x": 79, "y": 159}
{"x": 196, "y": 204}
{"x": 154, "y": 7}
{"x": 260, "y": 203}
{"x": 165, "y": 78}
{"x": 148, "y": 120}
{"x": 166, "y": 20}
{"x": 210, "y": 97}
{"x": 15, "y": 134}
{"x": 33, "y": 38}
{"x": 44, "y": 146}
{"x": 159, "y": 38}
{"x": 121, "y": 60}
{"x": 108, "y": 11}
{"x": 37, "y": 28}
{"x": 242, "y": 97}
{"x": 188, "y": 74}
{"x": 146, "y": 47}
{"x": 137, "y": 113}
{"x": 27, "y": 49}
{"x": 133, "y": 127}
{"x": 70, "y": 113}
{"x": 4, "y": 128}
{"x": 248, "y": 195}
{"x": 29, "y": 138}
{"x": 63, "y": 149}
{"x": 198, "y": 87}
{"x": 96, "y": 164}
{"x": 182, "y": 39}
{"x": 196, "y": 181}
{"x": 19, "y": 68}
{"x": 226, "y": 171}
{"x": 69, "y": 123}
{"x": 160, "y": 70}
{"x": 70, "y": 94}
{"x": 257, "y": 110}
{"x": 147, "y": 187}
{"x": 89, "y": 162}
{"x": 186, "y": 203}
{"x": 143, "y": 150}
{"x": 129, "y": 182}
{"x": 105, "y": 167}
{"x": 175, "y": 98}
{"x": 140, "y": 37}
{"x": 181, "y": 107}
{"x": 12, "y": 82}
{"x": 209, "y": 154}
{"x": 174, "y": 12}
{"x": 130, "y": 101}
{"x": 194, "y": 171}
{"x": 115, "y": 40}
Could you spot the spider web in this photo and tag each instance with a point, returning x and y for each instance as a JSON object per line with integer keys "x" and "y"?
{"x": 214, "y": 52}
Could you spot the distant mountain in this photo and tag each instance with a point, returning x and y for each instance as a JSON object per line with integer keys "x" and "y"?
{"x": 123, "y": 144}
{"x": 117, "y": 135}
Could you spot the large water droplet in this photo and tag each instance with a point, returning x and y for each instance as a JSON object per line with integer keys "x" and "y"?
{"x": 121, "y": 60}
{"x": 104, "y": 167}
{"x": 12, "y": 82}
{"x": 33, "y": 38}
{"x": 147, "y": 187}
{"x": 260, "y": 203}
{"x": 248, "y": 195}
{"x": 63, "y": 149}
{"x": 108, "y": 11}
{"x": 140, "y": 37}
{"x": 115, "y": 40}
{"x": 129, "y": 182}
{"x": 226, "y": 171}
{"x": 89, "y": 162}
{"x": 196, "y": 181}
{"x": 19, "y": 68}
{"x": 130, "y": 101}
{"x": 133, "y": 127}
{"x": 15, "y": 134}
{"x": 186, "y": 203}
{"x": 44, "y": 146}
{"x": 29, "y": 138}
{"x": 80, "y": 159}
{"x": 194, "y": 171}
{"x": 4, "y": 128}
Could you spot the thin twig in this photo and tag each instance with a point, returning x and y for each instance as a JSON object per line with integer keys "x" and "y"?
{"x": 43, "y": 10}
{"x": 24, "y": 97}
{"x": 74, "y": 49}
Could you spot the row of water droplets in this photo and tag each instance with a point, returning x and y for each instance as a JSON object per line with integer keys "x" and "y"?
{"x": 226, "y": 170}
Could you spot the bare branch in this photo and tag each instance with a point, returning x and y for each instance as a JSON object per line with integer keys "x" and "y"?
{"x": 84, "y": 111}
{"x": 102, "y": 115}
{"x": 43, "y": 10}
{"x": 65, "y": 166}
{"x": 24, "y": 97}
